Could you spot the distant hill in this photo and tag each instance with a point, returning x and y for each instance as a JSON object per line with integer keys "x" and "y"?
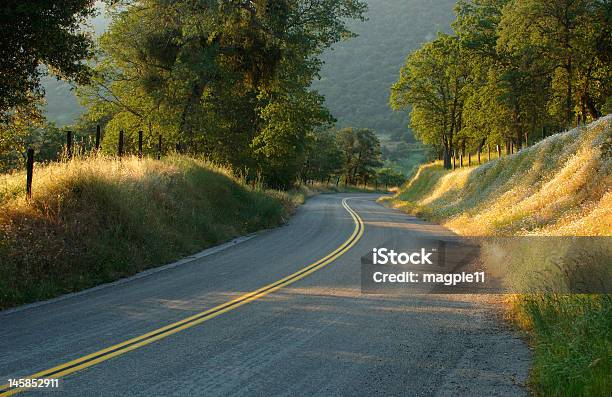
{"x": 358, "y": 73}
{"x": 62, "y": 105}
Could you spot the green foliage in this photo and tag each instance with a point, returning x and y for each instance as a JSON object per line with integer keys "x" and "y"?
{"x": 514, "y": 71}
{"x": 36, "y": 33}
{"x": 405, "y": 158}
{"x": 14, "y": 136}
{"x": 388, "y": 177}
{"x": 432, "y": 85}
{"x": 281, "y": 147}
{"x": 361, "y": 154}
{"x": 228, "y": 80}
{"x": 27, "y": 129}
{"x": 571, "y": 40}
{"x": 323, "y": 157}
{"x": 573, "y": 347}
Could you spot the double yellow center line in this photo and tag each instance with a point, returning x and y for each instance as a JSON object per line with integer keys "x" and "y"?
{"x": 150, "y": 337}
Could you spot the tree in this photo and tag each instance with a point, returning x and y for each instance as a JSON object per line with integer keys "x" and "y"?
{"x": 389, "y": 177}
{"x": 35, "y": 33}
{"x": 15, "y": 135}
{"x": 229, "y": 79}
{"x": 508, "y": 90}
{"x": 361, "y": 154}
{"x": 572, "y": 37}
{"x": 431, "y": 85}
{"x": 323, "y": 157}
{"x": 511, "y": 65}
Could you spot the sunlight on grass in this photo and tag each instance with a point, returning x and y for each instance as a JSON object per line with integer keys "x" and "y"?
{"x": 97, "y": 219}
{"x": 560, "y": 186}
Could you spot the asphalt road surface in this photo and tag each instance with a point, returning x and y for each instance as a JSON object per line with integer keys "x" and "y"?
{"x": 207, "y": 327}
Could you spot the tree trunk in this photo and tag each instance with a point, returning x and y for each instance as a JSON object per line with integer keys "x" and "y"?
{"x": 569, "y": 101}
{"x": 447, "y": 159}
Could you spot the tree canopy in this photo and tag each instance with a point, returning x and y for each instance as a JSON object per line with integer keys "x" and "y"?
{"x": 512, "y": 68}
{"x": 361, "y": 154}
{"x": 230, "y": 80}
{"x": 40, "y": 34}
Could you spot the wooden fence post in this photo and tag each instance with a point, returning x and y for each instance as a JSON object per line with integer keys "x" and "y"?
{"x": 120, "y": 147}
{"x": 479, "y": 149}
{"x": 159, "y": 147}
{"x": 69, "y": 144}
{"x": 98, "y": 136}
{"x": 454, "y": 159}
{"x": 469, "y": 159}
{"x": 140, "y": 144}
{"x": 29, "y": 172}
{"x": 488, "y": 152}
{"x": 498, "y": 151}
{"x": 461, "y": 160}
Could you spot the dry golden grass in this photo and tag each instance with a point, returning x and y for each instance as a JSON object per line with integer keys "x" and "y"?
{"x": 97, "y": 219}
{"x": 561, "y": 186}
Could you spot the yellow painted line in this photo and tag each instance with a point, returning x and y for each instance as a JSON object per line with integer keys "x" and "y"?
{"x": 163, "y": 332}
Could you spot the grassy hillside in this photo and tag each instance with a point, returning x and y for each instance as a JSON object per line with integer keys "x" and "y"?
{"x": 95, "y": 220}
{"x": 562, "y": 186}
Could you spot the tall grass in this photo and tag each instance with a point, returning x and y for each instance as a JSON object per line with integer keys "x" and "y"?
{"x": 571, "y": 338}
{"x": 95, "y": 220}
{"x": 560, "y": 187}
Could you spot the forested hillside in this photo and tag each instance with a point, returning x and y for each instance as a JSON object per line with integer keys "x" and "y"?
{"x": 357, "y": 74}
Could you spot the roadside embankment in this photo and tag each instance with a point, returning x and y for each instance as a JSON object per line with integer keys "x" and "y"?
{"x": 98, "y": 219}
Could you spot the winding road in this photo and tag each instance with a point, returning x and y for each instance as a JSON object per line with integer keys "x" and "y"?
{"x": 278, "y": 313}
